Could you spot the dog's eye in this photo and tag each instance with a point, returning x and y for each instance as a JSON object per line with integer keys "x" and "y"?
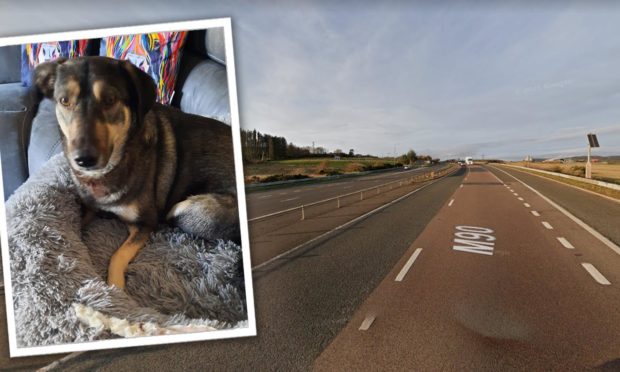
{"x": 109, "y": 100}
{"x": 64, "y": 101}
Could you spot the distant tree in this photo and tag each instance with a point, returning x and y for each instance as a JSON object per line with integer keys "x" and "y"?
{"x": 351, "y": 152}
{"x": 271, "y": 148}
{"x": 293, "y": 151}
{"x": 411, "y": 156}
{"x": 338, "y": 151}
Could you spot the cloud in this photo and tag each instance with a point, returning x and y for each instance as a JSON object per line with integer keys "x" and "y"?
{"x": 444, "y": 78}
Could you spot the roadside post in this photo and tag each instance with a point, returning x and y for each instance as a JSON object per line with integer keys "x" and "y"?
{"x": 593, "y": 142}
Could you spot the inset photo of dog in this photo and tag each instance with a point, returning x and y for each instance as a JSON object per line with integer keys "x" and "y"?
{"x": 123, "y": 212}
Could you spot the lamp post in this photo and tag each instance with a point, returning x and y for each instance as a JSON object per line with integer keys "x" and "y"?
{"x": 593, "y": 142}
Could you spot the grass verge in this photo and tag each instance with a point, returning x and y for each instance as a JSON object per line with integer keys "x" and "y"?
{"x": 614, "y": 194}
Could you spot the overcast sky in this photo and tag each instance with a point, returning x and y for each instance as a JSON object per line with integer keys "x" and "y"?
{"x": 450, "y": 80}
{"x": 447, "y": 78}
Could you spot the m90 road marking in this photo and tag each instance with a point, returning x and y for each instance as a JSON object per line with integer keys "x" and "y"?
{"x": 473, "y": 239}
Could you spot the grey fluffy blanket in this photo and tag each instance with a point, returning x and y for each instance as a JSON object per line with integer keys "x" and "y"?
{"x": 176, "y": 284}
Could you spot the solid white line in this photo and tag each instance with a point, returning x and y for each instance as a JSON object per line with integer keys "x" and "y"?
{"x": 520, "y": 198}
{"x": 547, "y": 225}
{"x": 286, "y": 200}
{"x": 347, "y": 224}
{"x": 367, "y": 323}
{"x": 450, "y": 204}
{"x": 536, "y": 213}
{"x": 579, "y": 222}
{"x": 405, "y": 269}
{"x": 265, "y": 196}
{"x": 595, "y": 273}
{"x": 526, "y": 205}
{"x": 566, "y": 243}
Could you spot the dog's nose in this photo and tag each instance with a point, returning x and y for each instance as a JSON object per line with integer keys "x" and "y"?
{"x": 85, "y": 161}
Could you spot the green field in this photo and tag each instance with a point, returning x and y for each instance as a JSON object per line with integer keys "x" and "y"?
{"x": 310, "y": 168}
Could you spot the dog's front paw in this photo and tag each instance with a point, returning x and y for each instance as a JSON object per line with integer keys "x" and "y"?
{"x": 117, "y": 281}
{"x": 116, "y": 271}
{"x": 138, "y": 236}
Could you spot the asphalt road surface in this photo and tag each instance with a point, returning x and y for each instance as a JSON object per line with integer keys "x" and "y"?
{"x": 600, "y": 213}
{"x": 499, "y": 280}
{"x": 539, "y": 301}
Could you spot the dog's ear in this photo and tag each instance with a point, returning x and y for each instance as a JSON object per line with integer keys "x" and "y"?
{"x": 44, "y": 76}
{"x": 143, "y": 89}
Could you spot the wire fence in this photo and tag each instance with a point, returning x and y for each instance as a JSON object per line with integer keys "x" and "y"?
{"x": 305, "y": 211}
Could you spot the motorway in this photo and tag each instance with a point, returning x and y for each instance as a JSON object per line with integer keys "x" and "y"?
{"x": 260, "y": 203}
{"x": 499, "y": 280}
{"x": 522, "y": 286}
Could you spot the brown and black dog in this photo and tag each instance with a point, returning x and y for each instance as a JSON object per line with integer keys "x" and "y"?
{"x": 137, "y": 159}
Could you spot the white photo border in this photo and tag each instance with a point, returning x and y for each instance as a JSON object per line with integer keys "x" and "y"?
{"x": 245, "y": 240}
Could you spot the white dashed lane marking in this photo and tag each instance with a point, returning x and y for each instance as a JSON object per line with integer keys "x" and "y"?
{"x": 450, "y": 204}
{"x": 526, "y": 205}
{"x": 565, "y": 243}
{"x": 520, "y": 198}
{"x": 265, "y": 196}
{"x": 535, "y": 213}
{"x": 367, "y": 322}
{"x": 547, "y": 225}
{"x": 286, "y": 200}
{"x": 579, "y": 222}
{"x": 600, "y": 279}
{"x": 405, "y": 269}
